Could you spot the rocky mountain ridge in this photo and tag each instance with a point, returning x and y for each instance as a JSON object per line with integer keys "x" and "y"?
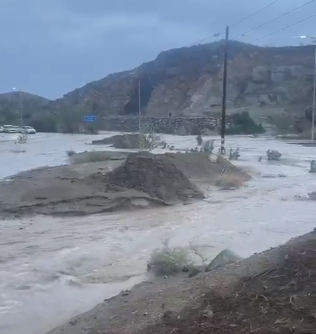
{"x": 188, "y": 82}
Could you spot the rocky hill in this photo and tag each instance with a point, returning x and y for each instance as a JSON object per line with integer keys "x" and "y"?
{"x": 188, "y": 81}
{"x": 273, "y": 82}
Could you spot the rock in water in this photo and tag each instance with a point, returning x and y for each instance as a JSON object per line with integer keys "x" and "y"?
{"x": 224, "y": 257}
{"x": 312, "y": 196}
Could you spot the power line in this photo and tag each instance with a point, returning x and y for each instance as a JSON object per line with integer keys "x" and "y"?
{"x": 291, "y": 25}
{"x": 216, "y": 35}
{"x": 278, "y": 17}
{"x": 258, "y": 11}
{"x": 206, "y": 38}
{"x": 236, "y": 23}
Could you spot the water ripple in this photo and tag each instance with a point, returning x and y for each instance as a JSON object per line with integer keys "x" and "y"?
{"x": 65, "y": 266}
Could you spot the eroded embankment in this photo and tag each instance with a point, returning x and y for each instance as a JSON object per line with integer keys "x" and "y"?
{"x": 87, "y": 188}
{"x": 271, "y": 292}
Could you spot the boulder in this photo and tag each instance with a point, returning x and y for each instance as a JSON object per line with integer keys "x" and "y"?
{"x": 195, "y": 271}
{"x": 312, "y": 196}
{"x": 224, "y": 257}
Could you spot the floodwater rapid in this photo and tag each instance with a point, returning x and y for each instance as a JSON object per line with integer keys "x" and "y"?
{"x": 54, "y": 268}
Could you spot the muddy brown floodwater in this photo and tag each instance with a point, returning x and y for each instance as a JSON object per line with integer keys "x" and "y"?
{"x": 54, "y": 268}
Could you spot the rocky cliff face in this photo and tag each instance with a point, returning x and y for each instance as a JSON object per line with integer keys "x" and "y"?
{"x": 188, "y": 82}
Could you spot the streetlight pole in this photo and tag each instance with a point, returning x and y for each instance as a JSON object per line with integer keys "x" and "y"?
{"x": 314, "y": 98}
{"x": 223, "y": 125}
{"x": 313, "y": 38}
{"x": 20, "y": 105}
{"x": 139, "y": 106}
{"x": 21, "y": 108}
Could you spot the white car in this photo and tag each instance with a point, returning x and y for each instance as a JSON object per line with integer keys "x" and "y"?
{"x": 11, "y": 129}
{"x": 29, "y": 130}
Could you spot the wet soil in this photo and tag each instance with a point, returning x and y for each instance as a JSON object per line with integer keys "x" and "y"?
{"x": 271, "y": 292}
{"x": 125, "y": 141}
{"x": 80, "y": 189}
{"x": 155, "y": 175}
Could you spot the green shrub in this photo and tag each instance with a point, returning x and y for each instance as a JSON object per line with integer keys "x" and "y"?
{"x": 274, "y": 155}
{"x": 208, "y": 146}
{"x": 168, "y": 261}
{"x": 150, "y": 141}
{"x": 244, "y": 124}
{"x": 199, "y": 140}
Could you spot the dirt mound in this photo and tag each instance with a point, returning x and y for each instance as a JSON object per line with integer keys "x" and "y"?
{"x": 199, "y": 165}
{"x": 154, "y": 175}
{"x": 166, "y": 176}
{"x": 93, "y": 187}
{"x": 126, "y": 141}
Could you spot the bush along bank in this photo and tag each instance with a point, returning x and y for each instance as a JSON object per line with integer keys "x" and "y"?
{"x": 244, "y": 124}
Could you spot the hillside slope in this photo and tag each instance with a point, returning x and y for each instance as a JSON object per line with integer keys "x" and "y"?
{"x": 271, "y": 83}
{"x": 34, "y": 109}
{"x": 188, "y": 81}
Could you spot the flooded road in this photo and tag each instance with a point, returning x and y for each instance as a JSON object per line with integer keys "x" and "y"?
{"x": 54, "y": 268}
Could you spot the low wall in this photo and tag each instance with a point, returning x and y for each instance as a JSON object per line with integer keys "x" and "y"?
{"x": 169, "y": 125}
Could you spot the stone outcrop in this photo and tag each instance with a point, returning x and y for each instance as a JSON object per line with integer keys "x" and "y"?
{"x": 188, "y": 82}
{"x": 224, "y": 257}
{"x": 169, "y": 125}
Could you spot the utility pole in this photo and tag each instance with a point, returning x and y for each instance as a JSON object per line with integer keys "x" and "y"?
{"x": 313, "y": 38}
{"x": 223, "y": 130}
{"x": 21, "y": 108}
{"x": 314, "y": 99}
{"x": 139, "y": 107}
{"x": 19, "y": 92}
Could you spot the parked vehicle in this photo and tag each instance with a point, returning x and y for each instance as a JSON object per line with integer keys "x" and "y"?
{"x": 11, "y": 129}
{"x": 29, "y": 130}
{"x": 17, "y": 129}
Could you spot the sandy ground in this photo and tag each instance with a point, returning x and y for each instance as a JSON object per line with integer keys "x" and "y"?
{"x": 268, "y": 292}
{"x": 96, "y": 187}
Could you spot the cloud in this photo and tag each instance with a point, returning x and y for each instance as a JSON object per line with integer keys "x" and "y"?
{"x": 52, "y": 46}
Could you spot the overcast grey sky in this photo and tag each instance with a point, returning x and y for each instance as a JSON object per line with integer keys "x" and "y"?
{"x": 49, "y": 47}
